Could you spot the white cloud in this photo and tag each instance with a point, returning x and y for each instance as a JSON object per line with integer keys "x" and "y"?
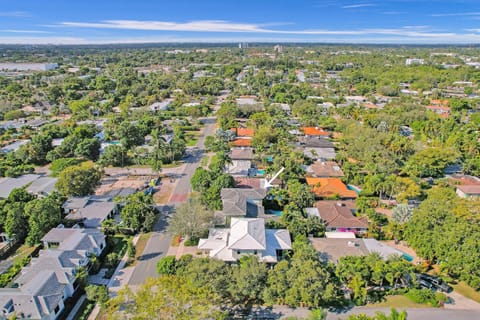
{"x": 233, "y": 27}
{"x": 390, "y": 38}
{"x": 16, "y": 14}
{"x": 456, "y": 14}
{"x": 234, "y": 31}
{"x": 23, "y": 31}
{"x": 42, "y": 40}
{"x": 393, "y": 12}
{"x": 360, "y": 5}
{"x": 199, "y": 26}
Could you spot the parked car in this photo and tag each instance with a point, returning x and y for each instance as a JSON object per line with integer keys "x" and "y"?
{"x": 432, "y": 282}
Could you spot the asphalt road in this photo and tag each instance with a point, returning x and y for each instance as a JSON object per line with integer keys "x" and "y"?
{"x": 414, "y": 314}
{"x": 157, "y": 245}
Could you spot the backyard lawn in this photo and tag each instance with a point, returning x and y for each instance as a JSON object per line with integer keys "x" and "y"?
{"x": 398, "y": 302}
{"x": 467, "y": 291}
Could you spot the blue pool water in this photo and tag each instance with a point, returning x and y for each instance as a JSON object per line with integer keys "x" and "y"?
{"x": 269, "y": 158}
{"x": 407, "y": 257}
{"x": 278, "y": 213}
{"x": 350, "y": 187}
{"x": 260, "y": 172}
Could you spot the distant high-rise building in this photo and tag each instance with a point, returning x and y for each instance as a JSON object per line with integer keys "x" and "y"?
{"x": 242, "y": 45}
{"x": 278, "y": 48}
{"x": 413, "y": 61}
{"x": 28, "y": 66}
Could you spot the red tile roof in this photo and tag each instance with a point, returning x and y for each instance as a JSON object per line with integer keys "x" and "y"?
{"x": 472, "y": 189}
{"x": 330, "y": 187}
{"x": 250, "y": 183}
{"x": 339, "y": 214}
{"x": 242, "y": 142}
{"x": 243, "y": 132}
{"x": 315, "y": 131}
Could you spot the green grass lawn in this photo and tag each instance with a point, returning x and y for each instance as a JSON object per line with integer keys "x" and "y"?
{"x": 172, "y": 165}
{"x": 23, "y": 251}
{"x": 467, "y": 291}
{"x": 141, "y": 244}
{"x": 397, "y": 301}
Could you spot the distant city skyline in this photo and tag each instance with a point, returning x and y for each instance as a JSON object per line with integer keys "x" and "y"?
{"x": 141, "y": 21}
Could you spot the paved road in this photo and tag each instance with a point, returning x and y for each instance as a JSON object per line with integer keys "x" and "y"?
{"x": 414, "y": 314}
{"x": 157, "y": 245}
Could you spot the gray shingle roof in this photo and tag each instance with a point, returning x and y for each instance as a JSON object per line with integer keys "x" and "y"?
{"x": 36, "y": 299}
{"x": 8, "y": 184}
{"x": 235, "y": 200}
{"x": 42, "y": 186}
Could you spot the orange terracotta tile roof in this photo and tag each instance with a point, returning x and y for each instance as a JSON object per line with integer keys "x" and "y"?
{"x": 243, "y": 132}
{"x": 314, "y": 131}
{"x": 242, "y": 142}
{"x": 437, "y": 103}
{"x": 330, "y": 187}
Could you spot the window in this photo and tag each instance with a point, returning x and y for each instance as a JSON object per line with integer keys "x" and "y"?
{"x": 238, "y": 251}
{"x": 57, "y": 309}
{"x": 254, "y": 251}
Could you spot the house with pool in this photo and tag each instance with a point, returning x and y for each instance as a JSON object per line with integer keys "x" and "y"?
{"x": 339, "y": 216}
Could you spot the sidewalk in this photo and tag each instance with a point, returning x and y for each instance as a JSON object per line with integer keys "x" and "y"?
{"x": 120, "y": 279}
{"x": 77, "y": 306}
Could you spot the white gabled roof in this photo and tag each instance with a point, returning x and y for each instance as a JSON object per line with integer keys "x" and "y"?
{"x": 247, "y": 234}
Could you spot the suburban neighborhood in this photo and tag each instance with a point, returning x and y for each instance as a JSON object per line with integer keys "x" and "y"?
{"x": 239, "y": 181}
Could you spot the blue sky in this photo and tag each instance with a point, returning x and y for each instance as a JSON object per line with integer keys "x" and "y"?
{"x": 120, "y": 21}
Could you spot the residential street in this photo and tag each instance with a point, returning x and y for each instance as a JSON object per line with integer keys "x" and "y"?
{"x": 159, "y": 242}
{"x": 413, "y": 314}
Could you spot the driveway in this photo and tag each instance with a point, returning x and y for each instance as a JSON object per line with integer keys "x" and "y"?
{"x": 158, "y": 244}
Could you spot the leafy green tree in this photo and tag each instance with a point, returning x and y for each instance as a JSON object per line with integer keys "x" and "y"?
{"x": 169, "y": 297}
{"x": 114, "y": 155}
{"x": 16, "y": 220}
{"x": 89, "y": 149}
{"x": 96, "y": 293}
{"x": 61, "y": 164}
{"x": 303, "y": 281}
{"x": 14, "y": 215}
{"x": 394, "y": 315}
{"x": 201, "y": 180}
{"x": 44, "y": 214}
{"x": 78, "y": 180}
{"x": 211, "y": 197}
{"x": 248, "y": 281}
{"x": 430, "y": 162}
{"x": 138, "y": 212}
{"x": 402, "y": 213}
{"x": 191, "y": 219}
{"x": 444, "y": 229}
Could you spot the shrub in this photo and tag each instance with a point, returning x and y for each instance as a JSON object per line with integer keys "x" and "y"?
{"x": 192, "y": 242}
{"x": 426, "y": 296}
{"x": 167, "y": 265}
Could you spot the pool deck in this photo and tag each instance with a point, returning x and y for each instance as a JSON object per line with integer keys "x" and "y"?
{"x": 405, "y": 249}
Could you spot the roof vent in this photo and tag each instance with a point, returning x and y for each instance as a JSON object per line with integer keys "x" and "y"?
{"x": 351, "y": 244}
{"x": 60, "y": 226}
{"x": 339, "y": 204}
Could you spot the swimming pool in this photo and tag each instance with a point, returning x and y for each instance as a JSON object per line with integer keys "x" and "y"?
{"x": 260, "y": 172}
{"x": 407, "y": 257}
{"x": 354, "y": 188}
{"x": 278, "y": 213}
